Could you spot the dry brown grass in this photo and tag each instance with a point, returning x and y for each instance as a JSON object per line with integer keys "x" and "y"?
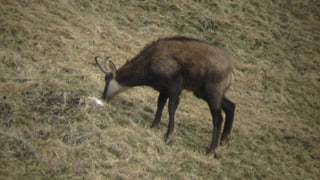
{"x": 49, "y": 128}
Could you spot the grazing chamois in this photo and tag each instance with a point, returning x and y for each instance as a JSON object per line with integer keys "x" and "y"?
{"x": 172, "y": 64}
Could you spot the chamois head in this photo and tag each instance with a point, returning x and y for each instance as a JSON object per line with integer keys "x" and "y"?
{"x": 112, "y": 87}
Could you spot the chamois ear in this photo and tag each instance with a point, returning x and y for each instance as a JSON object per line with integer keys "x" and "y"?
{"x": 110, "y": 65}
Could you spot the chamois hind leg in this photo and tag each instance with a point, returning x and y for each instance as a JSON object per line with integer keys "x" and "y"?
{"x": 162, "y": 99}
{"x": 172, "y": 107}
{"x": 215, "y": 109}
{"x": 229, "y": 108}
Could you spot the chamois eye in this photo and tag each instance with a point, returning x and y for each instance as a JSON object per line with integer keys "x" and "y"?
{"x": 108, "y": 77}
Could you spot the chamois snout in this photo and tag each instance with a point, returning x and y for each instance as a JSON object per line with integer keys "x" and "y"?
{"x": 109, "y": 69}
{"x": 108, "y": 78}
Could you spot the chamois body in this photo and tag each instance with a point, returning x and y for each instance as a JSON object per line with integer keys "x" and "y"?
{"x": 172, "y": 64}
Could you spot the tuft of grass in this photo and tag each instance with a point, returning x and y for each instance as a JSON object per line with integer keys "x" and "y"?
{"x": 50, "y": 128}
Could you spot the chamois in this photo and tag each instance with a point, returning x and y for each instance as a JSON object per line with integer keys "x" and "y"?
{"x": 172, "y": 64}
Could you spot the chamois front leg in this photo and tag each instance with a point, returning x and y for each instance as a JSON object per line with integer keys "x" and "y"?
{"x": 162, "y": 99}
{"x": 214, "y": 102}
{"x": 172, "y": 107}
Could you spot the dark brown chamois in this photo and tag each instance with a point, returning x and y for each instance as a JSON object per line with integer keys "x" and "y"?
{"x": 172, "y": 64}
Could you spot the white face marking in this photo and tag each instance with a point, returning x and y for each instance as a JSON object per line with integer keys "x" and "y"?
{"x": 114, "y": 88}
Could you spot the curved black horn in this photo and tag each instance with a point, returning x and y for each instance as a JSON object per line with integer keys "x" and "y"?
{"x": 99, "y": 65}
{"x": 112, "y": 66}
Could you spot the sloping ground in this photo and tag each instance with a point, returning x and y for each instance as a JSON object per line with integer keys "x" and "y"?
{"x": 50, "y": 127}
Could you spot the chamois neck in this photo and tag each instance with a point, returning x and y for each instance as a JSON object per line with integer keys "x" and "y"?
{"x": 132, "y": 74}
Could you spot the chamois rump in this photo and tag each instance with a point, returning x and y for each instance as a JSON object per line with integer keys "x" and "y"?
{"x": 172, "y": 64}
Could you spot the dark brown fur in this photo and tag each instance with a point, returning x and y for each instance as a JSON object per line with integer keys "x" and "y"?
{"x": 172, "y": 64}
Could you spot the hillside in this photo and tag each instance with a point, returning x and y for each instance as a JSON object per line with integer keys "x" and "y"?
{"x": 50, "y": 129}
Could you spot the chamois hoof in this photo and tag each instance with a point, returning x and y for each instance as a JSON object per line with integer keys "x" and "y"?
{"x": 152, "y": 126}
{"x": 167, "y": 139}
{"x": 224, "y": 140}
{"x": 211, "y": 151}
{"x": 215, "y": 155}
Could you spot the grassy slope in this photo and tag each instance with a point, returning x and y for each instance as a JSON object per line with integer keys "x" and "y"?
{"x": 49, "y": 128}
